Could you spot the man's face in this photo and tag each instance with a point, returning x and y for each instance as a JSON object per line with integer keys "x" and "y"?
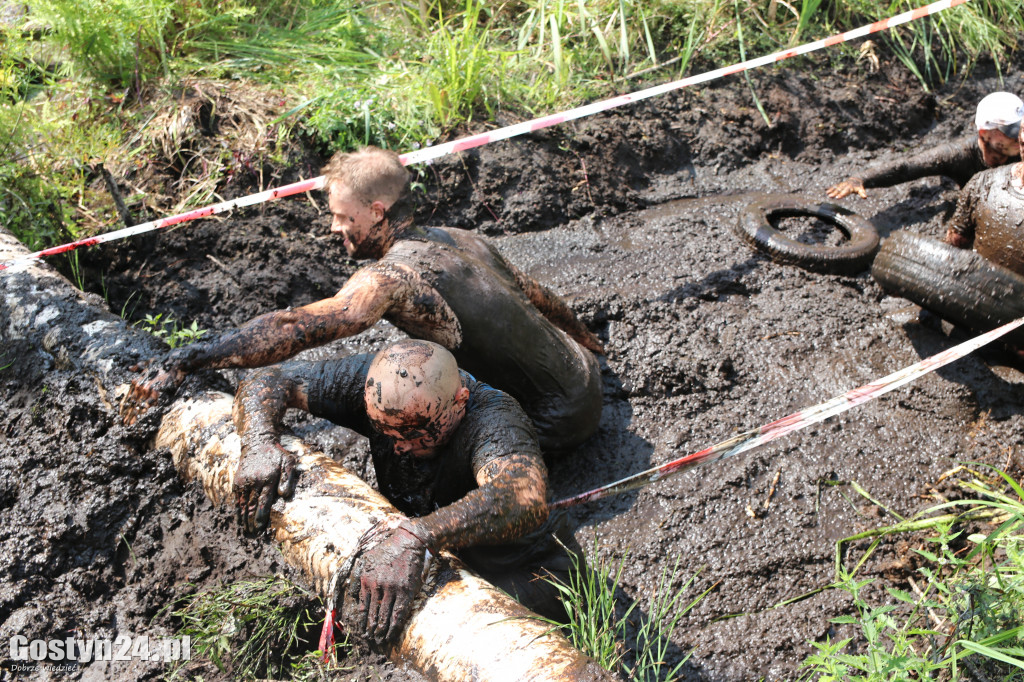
{"x": 996, "y": 148}
{"x": 358, "y": 222}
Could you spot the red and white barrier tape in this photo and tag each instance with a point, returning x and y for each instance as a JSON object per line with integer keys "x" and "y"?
{"x": 749, "y": 440}
{"x": 436, "y": 151}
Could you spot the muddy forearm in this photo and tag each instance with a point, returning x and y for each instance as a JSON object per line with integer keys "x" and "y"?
{"x": 892, "y": 174}
{"x": 557, "y": 311}
{"x": 260, "y": 404}
{"x": 265, "y": 340}
{"x": 949, "y": 160}
{"x": 505, "y": 508}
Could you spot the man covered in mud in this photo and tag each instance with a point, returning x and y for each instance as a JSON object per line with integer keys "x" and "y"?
{"x": 444, "y": 285}
{"x": 989, "y": 216}
{"x": 460, "y": 458}
{"x": 997, "y": 119}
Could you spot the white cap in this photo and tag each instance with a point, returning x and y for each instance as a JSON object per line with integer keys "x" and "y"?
{"x": 1000, "y": 111}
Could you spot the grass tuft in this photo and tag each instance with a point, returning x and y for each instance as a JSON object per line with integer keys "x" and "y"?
{"x": 252, "y": 629}
{"x": 965, "y": 616}
{"x": 597, "y": 626}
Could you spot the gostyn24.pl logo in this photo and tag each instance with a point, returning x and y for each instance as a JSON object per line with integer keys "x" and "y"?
{"x": 86, "y": 649}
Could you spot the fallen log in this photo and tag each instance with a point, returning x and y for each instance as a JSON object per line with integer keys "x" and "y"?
{"x": 42, "y": 310}
{"x": 462, "y": 628}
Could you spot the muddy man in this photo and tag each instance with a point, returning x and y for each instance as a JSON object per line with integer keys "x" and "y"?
{"x": 440, "y": 284}
{"x": 997, "y": 120}
{"x": 460, "y": 458}
{"x": 989, "y": 215}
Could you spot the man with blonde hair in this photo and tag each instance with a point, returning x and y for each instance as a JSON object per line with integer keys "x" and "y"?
{"x": 440, "y": 284}
{"x": 460, "y": 458}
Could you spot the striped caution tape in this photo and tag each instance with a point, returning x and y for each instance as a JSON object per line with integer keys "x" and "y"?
{"x": 436, "y": 151}
{"x": 749, "y": 440}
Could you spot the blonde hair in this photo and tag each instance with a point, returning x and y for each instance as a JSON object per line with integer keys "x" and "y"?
{"x": 371, "y": 174}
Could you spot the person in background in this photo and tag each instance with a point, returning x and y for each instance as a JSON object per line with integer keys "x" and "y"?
{"x": 444, "y": 285}
{"x": 997, "y": 120}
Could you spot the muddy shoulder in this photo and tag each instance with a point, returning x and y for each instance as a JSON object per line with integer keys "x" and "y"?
{"x": 628, "y": 216}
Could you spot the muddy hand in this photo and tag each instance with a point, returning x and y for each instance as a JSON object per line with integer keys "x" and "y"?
{"x": 146, "y": 390}
{"x": 264, "y": 472}
{"x": 384, "y": 582}
{"x": 847, "y": 187}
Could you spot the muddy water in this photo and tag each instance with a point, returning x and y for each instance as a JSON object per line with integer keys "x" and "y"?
{"x": 704, "y": 338}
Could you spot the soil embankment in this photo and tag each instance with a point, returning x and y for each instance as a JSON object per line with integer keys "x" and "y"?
{"x": 627, "y": 215}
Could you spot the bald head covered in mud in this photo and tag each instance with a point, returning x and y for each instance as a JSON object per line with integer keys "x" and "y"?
{"x": 457, "y": 456}
{"x": 444, "y": 285}
{"x": 414, "y": 393}
{"x": 997, "y": 120}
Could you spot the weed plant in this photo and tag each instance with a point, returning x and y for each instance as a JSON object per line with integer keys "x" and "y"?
{"x": 965, "y": 619}
{"x": 254, "y": 629}
{"x": 599, "y": 628}
{"x": 169, "y": 330}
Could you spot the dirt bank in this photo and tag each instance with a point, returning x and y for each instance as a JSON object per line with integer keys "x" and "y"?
{"x": 628, "y": 216}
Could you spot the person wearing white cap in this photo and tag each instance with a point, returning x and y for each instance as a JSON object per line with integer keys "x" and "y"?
{"x": 989, "y": 215}
{"x": 997, "y": 121}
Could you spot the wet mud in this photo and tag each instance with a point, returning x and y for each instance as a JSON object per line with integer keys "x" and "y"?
{"x": 629, "y": 217}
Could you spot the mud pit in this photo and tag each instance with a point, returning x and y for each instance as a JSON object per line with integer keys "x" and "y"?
{"x": 628, "y": 216}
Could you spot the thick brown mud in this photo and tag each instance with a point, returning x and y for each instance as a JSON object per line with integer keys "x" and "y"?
{"x": 628, "y": 216}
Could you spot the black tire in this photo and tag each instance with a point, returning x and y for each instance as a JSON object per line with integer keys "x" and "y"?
{"x": 956, "y": 284}
{"x": 850, "y": 257}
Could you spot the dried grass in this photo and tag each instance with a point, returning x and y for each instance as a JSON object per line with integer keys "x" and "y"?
{"x": 199, "y": 136}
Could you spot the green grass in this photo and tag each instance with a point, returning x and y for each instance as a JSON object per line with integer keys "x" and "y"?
{"x": 253, "y": 629}
{"x": 598, "y": 627}
{"x": 965, "y": 616}
{"x": 87, "y": 81}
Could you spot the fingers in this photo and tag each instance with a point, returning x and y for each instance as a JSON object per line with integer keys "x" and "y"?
{"x": 351, "y": 606}
{"x": 382, "y": 624}
{"x": 367, "y": 605}
{"x": 862, "y": 193}
{"x": 139, "y": 398}
{"x": 286, "y": 486}
{"x": 248, "y": 514}
{"x": 246, "y": 505}
{"x": 399, "y": 612}
{"x": 265, "y": 502}
{"x": 837, "y": 191}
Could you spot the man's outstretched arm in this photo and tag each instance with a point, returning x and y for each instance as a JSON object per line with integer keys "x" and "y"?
{"x": 510, "y": 502}
{"x": 556, "y": 310}
{"x": 957, "y": 160}
{"x": 273, "y": 337}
